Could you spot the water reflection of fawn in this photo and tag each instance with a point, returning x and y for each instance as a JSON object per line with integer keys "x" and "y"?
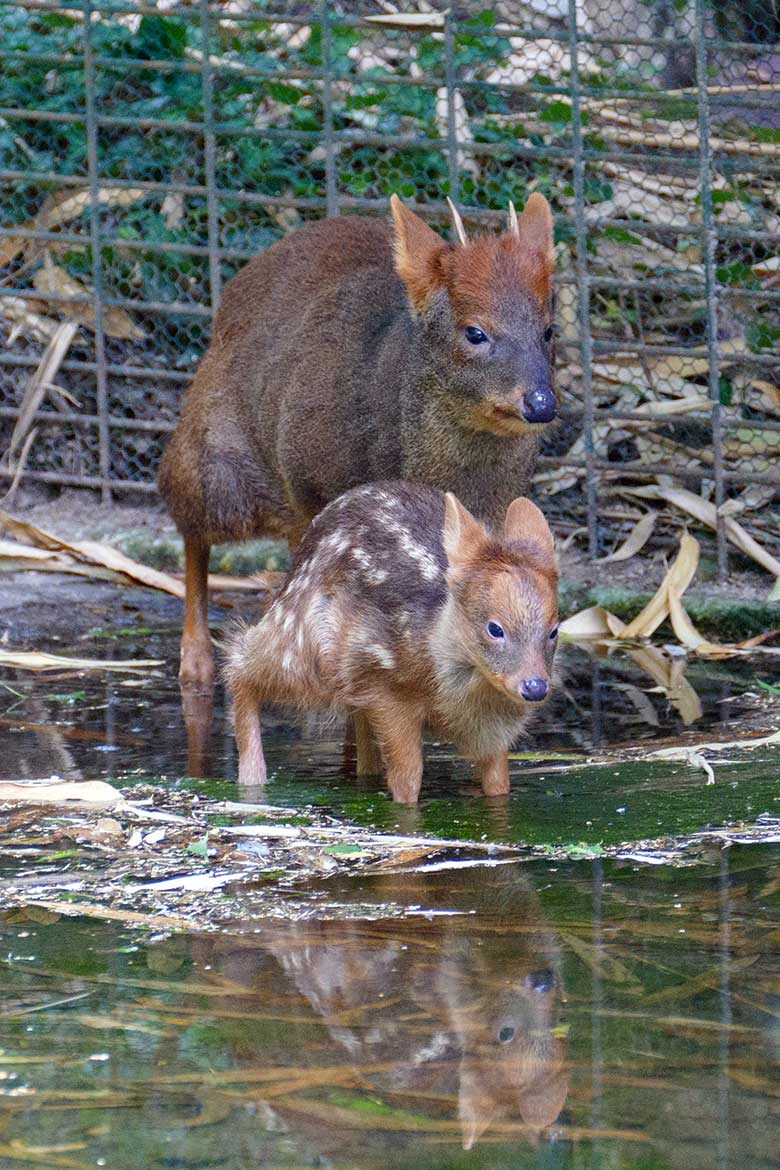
{"x": 442, "y": 1015}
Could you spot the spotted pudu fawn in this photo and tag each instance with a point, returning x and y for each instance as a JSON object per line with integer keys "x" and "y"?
{"x": 352, "y": 351}
{"x": 400, "y": 607}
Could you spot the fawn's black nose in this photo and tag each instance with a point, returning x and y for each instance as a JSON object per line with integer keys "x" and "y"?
{"x": 534, "y": 690}
{"x": 539, "y": 405}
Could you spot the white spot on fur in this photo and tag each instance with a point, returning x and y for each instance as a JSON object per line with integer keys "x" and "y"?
{"x": 318, "y": 620}
{"x": 382, "y": 655}
{"x": 376, "y": 576}
{"x": 364, "y": 559}
{"x": 417, "y": 552}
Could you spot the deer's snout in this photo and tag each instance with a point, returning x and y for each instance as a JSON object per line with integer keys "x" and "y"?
{"x": 539, "y": 405}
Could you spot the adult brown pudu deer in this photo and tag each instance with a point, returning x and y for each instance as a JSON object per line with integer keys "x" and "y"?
{"x": 351, "y": 352}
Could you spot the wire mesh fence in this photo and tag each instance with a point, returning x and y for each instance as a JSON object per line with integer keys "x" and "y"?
{"x": 148, "y": 150}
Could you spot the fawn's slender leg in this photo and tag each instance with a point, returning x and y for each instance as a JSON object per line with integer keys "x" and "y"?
{"x": 369, "y": 757}
{"x": 398, "y": 727}
{"x": 251, "y": 761}
{"x": 197, "y": 656}
{"x": 494, "y": 775}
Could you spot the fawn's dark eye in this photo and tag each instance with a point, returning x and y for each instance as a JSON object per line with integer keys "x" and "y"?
{"x": 506, "y": 1034}
{"x": 548, "y": 334}
{"x": 475, "y": 335}
{"x": 495, "y": 630}
{"x": 553, "y": 633}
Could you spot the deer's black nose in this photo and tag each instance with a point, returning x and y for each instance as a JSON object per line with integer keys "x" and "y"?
{"x": 539, "y": 405}
{"x": 534, "y": 690}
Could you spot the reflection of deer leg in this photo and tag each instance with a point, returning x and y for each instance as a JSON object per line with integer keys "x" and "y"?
{"x": 494, "y": 775}
{"x": 197, "y": 708}
{"x": 398, "y": 727}
{"x": 197, "y": 657}
{"x": 369, "y": 757}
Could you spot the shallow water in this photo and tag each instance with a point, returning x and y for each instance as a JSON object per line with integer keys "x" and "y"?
{"x": 588, "y": 1014}
{"x": 493, "y": 1015}
{"x": 129, "y": 730}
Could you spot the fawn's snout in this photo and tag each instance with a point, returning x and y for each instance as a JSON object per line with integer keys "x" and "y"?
{"x": 534, "y": 690}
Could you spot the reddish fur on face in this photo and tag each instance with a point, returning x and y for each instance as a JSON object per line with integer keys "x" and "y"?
{"x": 385, "y": 612}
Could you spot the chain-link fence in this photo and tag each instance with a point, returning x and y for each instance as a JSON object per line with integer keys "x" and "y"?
{"x": 148, "y": 150}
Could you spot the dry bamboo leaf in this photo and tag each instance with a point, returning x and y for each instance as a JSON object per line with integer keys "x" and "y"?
{"x": 62, "y": 208}
{"x": 39, "y": 660}
{"x": 90, "y": 792}
{"x": 18, "y": 310}
{"x": 600, "y": 963}
{"x": 89, "y": 552}
{"x": 46, "y": 371}
{"x": 109, "y": 1023}
{"x": 769, "y": 393}
{"x": 679, "y": 577}
{"x": 21, "y": 463}
{"x": 636, "y": 539}
{"x": 21, "y": 556}
{"x": 408, "y": 19}
{"x": 717, "y": 745}
{"x": 712, "y": 977}
{"x": 53, "y": 279}
{"x": 669, "y": 676}
{"x": 594, "y": 622}
{"x": 704, "y": 511}
{"x": 112, "y": 914}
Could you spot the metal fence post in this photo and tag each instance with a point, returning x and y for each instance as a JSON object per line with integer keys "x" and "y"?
{"x": 452, "y": 128}
{"x": 709, "y": 245}
{"x": 210, "y": 158}
{"x": 331, "y": 198}
{"x": 583, "y": 284}
{"x": 97, "y": 260}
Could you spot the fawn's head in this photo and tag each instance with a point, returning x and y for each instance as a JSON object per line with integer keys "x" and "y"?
{"x": 502, "y": 617}
{"x": 484, "y": 305}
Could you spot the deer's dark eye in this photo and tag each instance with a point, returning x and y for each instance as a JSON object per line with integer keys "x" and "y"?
{"x": 506, "y": 1034}
{"x": 548, "y": 334}
{"x": 553, "y": 633}
{"x": 475, "y": 335}
{"x": 495, "y": 630}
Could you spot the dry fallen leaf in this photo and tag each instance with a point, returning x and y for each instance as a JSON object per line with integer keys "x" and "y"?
{"x": 90, "y": 792}
{"x": 39, "y": 660}
{"x": 90, "y": 552}
{"x": 636, "y": 539}
{"x": 706, "y": 512}
{"x": 53, "y": 279}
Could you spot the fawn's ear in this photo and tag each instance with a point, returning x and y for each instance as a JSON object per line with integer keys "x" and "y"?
{"x": 535, "y": 234}
{"x": 418, "y": 251}
{"x": 524, "y": 521}
{"x": 541, "y": 1103}
{"x": 477, "y": 1107}
{"x": 462, "y": 535}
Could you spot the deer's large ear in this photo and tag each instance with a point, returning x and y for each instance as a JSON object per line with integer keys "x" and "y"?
{"x": 524, "y": 521}
{"x": 462, "y": 535}
{"x": 418, "y": 252}
{"x": 535, "y": 237}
